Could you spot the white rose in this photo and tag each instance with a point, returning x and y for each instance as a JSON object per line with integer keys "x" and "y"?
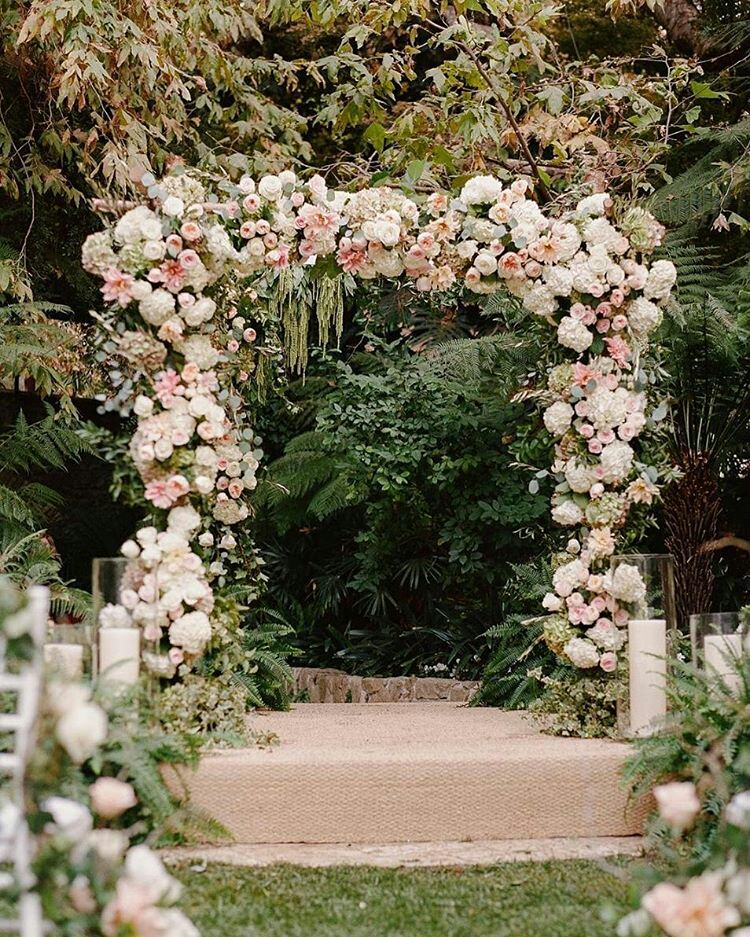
{"x": 130, "y": 549}
{"x": 109, "y": 845}
{"x": 579, "y": 476}
{"x": 111, "y": 797}
{"x": 173, "y": 206}
{"x": 271, "y": 187}
{"x": 146, "y": 535}
{"x": 317, "y": 186}
{"x": 143, "y": 406}
{"x": 552, "y": 602}
{"x": 486, "y": 263}
{"x": 738, "y": 810}
{"x": 154, "y": 250}
{"x": 82, "y": 730}
{"x": 69, "y": 818}
{"x": 203, "y": 484}
{"x": 558, "y": 417}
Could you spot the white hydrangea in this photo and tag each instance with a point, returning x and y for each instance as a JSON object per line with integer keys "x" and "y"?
{"x": 157, "y": 307}
{"x": 540, "y": 300}
{"x": 573, "y": 334}
{"x": 617, "y": 461}
{"x": 184, "y": 520}
{"x": 607, "y": 636}
{"x": 558, "y": 417}
{"x": 219, "y": 245}
{"x": 559, "y": 280}
{"x": 568, "y": 577}
{"x": 199, "y": 350}
{"x": 567, "y": 513}
{"x": 582, "y": 653}
{"x": 625, "y": 584}
{"x": 661, "y": 278}
{"x": 480, "y": 190}
{"x": 114, "y": 616}
{"x": 643, "y": 316}
{"x": 599, "y": 231}
{"x": 138, "y": 224}
{"x": 592, "y": 205}
{"x": 191, "y": 632}
{"x": 97, "y": 255}
{"x": 579, "y": 476}
{"x": 608, "y": 408}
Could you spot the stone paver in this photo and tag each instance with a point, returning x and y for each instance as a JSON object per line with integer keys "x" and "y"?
{"x": 410, "y": 855}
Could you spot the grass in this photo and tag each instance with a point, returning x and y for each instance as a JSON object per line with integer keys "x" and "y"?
{"x": 550, "y": 899}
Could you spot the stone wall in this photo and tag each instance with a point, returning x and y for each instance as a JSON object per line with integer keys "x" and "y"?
{"x": 315, "y": 685}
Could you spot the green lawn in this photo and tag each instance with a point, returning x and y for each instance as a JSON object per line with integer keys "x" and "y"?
{"x": 553, "y": 899}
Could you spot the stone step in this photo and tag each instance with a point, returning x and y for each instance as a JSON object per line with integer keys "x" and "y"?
{"x": 426, "y": 772}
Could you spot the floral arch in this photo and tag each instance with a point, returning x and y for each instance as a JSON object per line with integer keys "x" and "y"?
{"x": 203, "y": 279}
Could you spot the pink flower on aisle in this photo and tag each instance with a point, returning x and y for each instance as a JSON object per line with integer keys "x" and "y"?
{"x": 678, "y": 803}
{"x": 173, "y": 274}
{"x": 166, "y": 385}
{"x": 110, "y": 797}
{"x": 117, "y": 287}
{"x": 697, "y": 910}
{"x": 131, "y": 911}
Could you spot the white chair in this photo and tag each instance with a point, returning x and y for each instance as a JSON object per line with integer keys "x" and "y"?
{"x": 19, "y": 727}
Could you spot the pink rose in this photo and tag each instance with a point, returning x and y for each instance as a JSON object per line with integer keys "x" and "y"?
{"x": 191, "y": 231}
{"x": 586, "y": 430}
{"x": 189, "y": 259}
{"x": 619, "y": 323}
{"x": 603, "y": 326}
{"x": 233, "y": 345}
{"x": 608, "y": 662}
{"x": 110, "y": 798}
{"x": 174, "y": 244}
{"x": 595, "y": 447}
{"x": 249, "y": 335}
{"x": 251, "y": 203}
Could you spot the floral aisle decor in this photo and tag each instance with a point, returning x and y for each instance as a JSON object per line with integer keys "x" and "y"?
{"x": 92, "y": 875}
{"x": 205, "y": 279}
{"x": 712, "y": 901}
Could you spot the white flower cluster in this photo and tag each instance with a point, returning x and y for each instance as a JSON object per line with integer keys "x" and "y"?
{"x": 166, "y": 591}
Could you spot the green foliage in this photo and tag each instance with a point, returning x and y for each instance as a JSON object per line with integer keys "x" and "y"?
{"x": 706, "y": 740}
{"x": 578, "y": 706}
{"x": 520, "y": 658}
{"x": 411, "y": 513}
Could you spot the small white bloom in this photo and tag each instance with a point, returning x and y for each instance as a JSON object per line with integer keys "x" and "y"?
{"x": 738, "y": 810}
{"x": 173, "y": 206}
{"x": 69, "y": 818}
{"x": 82, "y": 730}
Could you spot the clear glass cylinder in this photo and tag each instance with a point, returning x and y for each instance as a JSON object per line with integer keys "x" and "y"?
{"x": 69, "y": 650}
{"x": 657, "y": 572}
{"x": 718, "y": 640}
{"x": 652, "y": 623}
{"x": 117, "y": 583}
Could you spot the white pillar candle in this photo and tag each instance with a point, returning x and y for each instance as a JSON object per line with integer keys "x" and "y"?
{"x": 721, "y": 652}
{"x": 66, "y": 659}
{"x": 119, "y": 654}
{"x": 647, "y": 649}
